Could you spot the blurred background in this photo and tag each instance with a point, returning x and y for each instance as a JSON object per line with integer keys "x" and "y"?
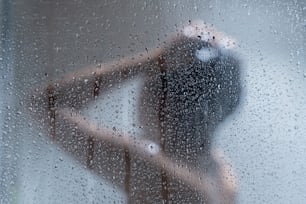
{"x": 42, "y": 40}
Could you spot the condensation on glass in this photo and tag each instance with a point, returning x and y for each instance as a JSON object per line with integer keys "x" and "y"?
{"x": 152, "y": 101}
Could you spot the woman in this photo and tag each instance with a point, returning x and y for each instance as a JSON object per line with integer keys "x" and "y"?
{"x": 190, "y": 85}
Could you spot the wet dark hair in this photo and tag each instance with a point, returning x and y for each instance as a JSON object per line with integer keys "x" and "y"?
{"x": 195, "y": 95}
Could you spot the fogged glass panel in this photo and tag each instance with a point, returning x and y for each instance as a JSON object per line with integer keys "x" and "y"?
{"x": 152, "y": 101}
